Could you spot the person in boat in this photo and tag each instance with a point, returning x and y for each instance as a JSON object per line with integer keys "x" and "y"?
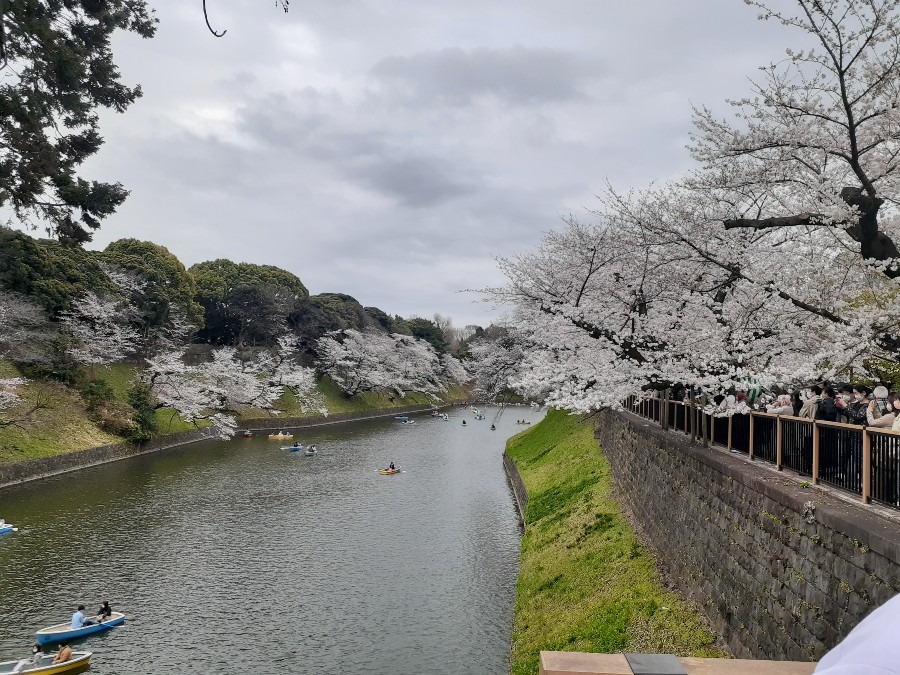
{"x": 493, "y": 428}
{"x": 33, "y": 662}
{"x": 104, "y": 612}
{"x": 464, "y": 423}
{"x": 296, "y": 444}
{"x": 79, "y": 620}
{"x": 391, "y": 467}
{"x": 64, "y": 654}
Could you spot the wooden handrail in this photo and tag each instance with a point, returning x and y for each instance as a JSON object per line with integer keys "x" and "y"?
{"x": 700, "y": 425}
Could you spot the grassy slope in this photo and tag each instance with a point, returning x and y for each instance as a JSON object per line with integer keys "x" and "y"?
{"x": 66, "y": 426}
{"x": 62, "y": 426}
{"x": 586, "y": 583}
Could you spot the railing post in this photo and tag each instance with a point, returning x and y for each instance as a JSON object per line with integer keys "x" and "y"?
{"x": 779, "y": 431}
{"x": 664, "y": 415}
{"x": 866, "y": 467}
{"x": 704, "y": 422}
{"x": 815, "y": 453}
{"x": 750, "y": 441}
{"x": 730, "y": 418}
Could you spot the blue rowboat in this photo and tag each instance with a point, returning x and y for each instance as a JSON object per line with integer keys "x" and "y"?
{"x": 64, "y": 631}
{"x": 6, "y": 527}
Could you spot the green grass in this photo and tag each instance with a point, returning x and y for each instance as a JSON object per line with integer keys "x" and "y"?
{"x": 586, "y": 583}
{"x": 61, "y": 427}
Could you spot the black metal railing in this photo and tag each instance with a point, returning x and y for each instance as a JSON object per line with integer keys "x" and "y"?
{"x": 765, "y": 438}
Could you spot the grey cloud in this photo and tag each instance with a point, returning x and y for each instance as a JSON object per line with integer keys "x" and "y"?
{"x": 375, "y": 158}
{"x": 517, "y": 75}
{"x": 414, "y": 181}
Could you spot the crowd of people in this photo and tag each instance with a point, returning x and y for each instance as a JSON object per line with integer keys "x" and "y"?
{"x": 851, "y": 404}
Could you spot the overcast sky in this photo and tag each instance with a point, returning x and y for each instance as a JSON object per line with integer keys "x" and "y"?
{"x": 391, "y": 149}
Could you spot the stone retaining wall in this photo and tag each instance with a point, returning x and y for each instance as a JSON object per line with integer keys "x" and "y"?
{"x": 43, "y": 467}
{"x": 782, "y": 570}
{"x": 517, "y": 485}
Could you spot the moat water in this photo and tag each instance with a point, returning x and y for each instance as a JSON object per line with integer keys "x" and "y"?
{"x": 241, "y": 557}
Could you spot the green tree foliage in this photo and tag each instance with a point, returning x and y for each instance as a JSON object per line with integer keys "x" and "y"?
{"x": 47, "y": 271}
{"x": 58, "y": 72}
{"x": 345, "y": 310}
{"x": 429, "y": 331}
{"x": 383, "y": 319}
{"x": 140, "y": 398}
{"x": 168, "y": 287}
{"x": 309, "y": 321}
{"x": 244, "y": 303}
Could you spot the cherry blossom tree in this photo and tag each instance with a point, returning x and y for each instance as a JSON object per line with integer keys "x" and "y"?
{"x": 380, "y": 362}
{"x": 815, "y": 147}
{"x": 23, "y": 328}
{"x": 775, "y": 257}
{"x": 217, "y": 390}
{"x": 100, "y": 330}
{"x": 496, "y": 364}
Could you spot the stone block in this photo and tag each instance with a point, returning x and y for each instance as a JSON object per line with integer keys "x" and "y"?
{"x": 655, "y": 664}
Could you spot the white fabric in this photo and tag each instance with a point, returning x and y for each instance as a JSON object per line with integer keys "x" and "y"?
{"x": 872, "y": 648}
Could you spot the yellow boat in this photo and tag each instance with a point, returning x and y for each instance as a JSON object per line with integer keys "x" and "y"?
{"x": 388, "y": 472}
{"x": 79, "y": 663}
{"x": 280, "y": 436}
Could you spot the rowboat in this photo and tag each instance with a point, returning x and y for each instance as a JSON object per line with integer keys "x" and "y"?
{"x": 401, "y": 418}
{"x": 293, "y": 448}
{"x": 64, "y": 631}
{"x": 248, "y": 434}
{"x": 310, "y": 451}
{"x": 6, "y": 527}
{"x": 389, "y": 472}
{"x": 280, "y": 436}
{"x": 77, "y": 664}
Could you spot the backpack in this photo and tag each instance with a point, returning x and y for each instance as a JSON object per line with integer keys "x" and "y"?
{"x": 827, "y": 410}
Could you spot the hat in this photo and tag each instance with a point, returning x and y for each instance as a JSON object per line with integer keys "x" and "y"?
{"x": 880, "y": 392}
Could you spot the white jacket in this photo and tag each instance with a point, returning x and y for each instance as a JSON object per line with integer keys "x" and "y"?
{"x": 872, "y": 648}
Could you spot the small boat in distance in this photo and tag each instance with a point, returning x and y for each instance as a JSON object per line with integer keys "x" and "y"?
{"x": 389, "y": 472}
{"x": 281, "y": 435}
{"x": 64, "y": 631}
{"x": 6, "y": 527}
{"x": 401, "y": 418}
{"x": 293, "y": 448}
{"x": 310, "y": 451}
{"x": 248, "y": 434}
{"x": 79, "y": 662}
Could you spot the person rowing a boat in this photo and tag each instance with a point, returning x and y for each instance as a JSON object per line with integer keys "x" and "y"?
{"x": 64, "y": 654}
{"x": 392, "y": 467}
{"x": 79, "y": 620}
{"x": 296, "y": 444}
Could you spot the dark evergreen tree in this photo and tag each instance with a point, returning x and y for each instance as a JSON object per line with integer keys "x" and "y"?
{"x": 58, "y": 71}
